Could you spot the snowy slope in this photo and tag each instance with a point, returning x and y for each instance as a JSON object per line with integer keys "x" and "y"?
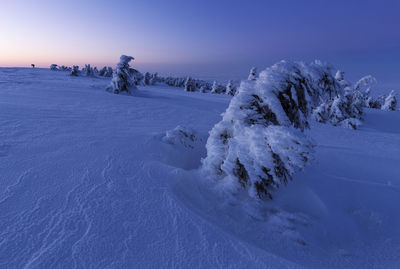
{"x": 87, "y": 181}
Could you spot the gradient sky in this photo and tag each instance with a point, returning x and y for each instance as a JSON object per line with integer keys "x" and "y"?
{"x": 203, "y": 37}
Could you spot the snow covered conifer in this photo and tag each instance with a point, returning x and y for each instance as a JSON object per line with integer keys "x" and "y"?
{"x": 253, "y": 74}
{"x": 340, "y": 78}
{"x": 75, "y": 71}
{"x": 337, "y": 110}
{"x": 53, "y": 67}
{"x": 215, "y": 87}
{"x": 88, "y": 70}
{"x": 230, "y": 89}
{"x": 189, "y": 87}
{"x": 390, "y": 102}
{"x": 321, "y": 113}
{"x": 258, "y": 144}
{"x": 122, "y": 79}
{"x": 364, "y": 83}
{"x": 154, "y": 79}
{"x": 109, "y": 72}
{"x": 147, "y": 78}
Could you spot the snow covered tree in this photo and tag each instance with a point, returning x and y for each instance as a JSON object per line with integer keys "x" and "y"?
{"x": 203, "y": 89}
{"x": 253, "y": 74}
{"x": 75, "y": 71}
{"x": 122, "y": 80}
{"x": 340, "y": 78}
{"x": 337, "y": 110}
{"x": 189, "y": 87}
{"x": 215, "y": 87}
{"x": 378, "y": 102}
{"x": 147, "y": 78}
{"x": 258, "y": 144}
{"x": 109, "y": 72}
{"x": 365, "y": 83}
{"x": 88, "y": 70}
{"x": 154, "y": 79}
{"x": 321, "y": 113}
{"x": 230, "y": 89}
{"x": 53, "y": 67}
{"x": 390, "y": 102}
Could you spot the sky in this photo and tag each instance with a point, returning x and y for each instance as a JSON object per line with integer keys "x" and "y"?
{"x": 206, "y": 38}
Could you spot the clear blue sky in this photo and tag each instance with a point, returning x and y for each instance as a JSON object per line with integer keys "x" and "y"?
{"x": 204, "y": 37}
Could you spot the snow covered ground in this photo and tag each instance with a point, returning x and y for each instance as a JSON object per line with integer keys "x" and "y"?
{"x": 87, "y": 180}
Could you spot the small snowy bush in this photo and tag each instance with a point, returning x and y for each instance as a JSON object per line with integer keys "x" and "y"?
{"x": 180, "y": 136}
{"x": 122, "y": 80}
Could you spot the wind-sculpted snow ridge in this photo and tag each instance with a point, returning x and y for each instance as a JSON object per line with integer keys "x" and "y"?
{"x": 258, "y": 145}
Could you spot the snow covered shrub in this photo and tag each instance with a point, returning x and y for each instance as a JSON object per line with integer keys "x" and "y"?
{"x": 122, "y": 80}
{"x": 216, "y": 88}
{"x": 147, "y": 78}
{"x": 136, "y": 76}
{"x": 378, "y": 102}
{"x": 189, "y": 85}
{"x": 321, "y": 113}
{"x": 106, "y": 71}
{"x": 390, "y": 102}
{"x": 203, "y": 89}
{"x": 64, "y": 68}
{"x": 154, "y": 79}
{"x": 75, "y": 71}
{"x": 365, "y": 83}
{"x": 230, "y": 89}
{"x": 180, "y": 135}
{"x": 53, "y": 67}
{"x": 340, "y": 78}
{"x": 88, "y": 70}
{"x": 253, "y": 74}
{"x": 258, "y": 145}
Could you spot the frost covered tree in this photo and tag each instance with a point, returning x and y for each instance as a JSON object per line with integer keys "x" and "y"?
{"x": 230, "y": 89}
{"x": 53, "y": 67}
{"x": 258, "y": 144}
{"x": 253, "y": 74}
{"x": 75, "y": 71}
{"x": 147, "y": 78}
{"x": 154, "y": 79}
{"x": 215, "y": 87}
{"x": 88, "y": 70}
{"x": 321, "y": 113}
{"x": 390, "y": 102}
{"x": 189, "y": 86}
{"x": 122, "y": 80}
{"x": 365, "y": 83}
